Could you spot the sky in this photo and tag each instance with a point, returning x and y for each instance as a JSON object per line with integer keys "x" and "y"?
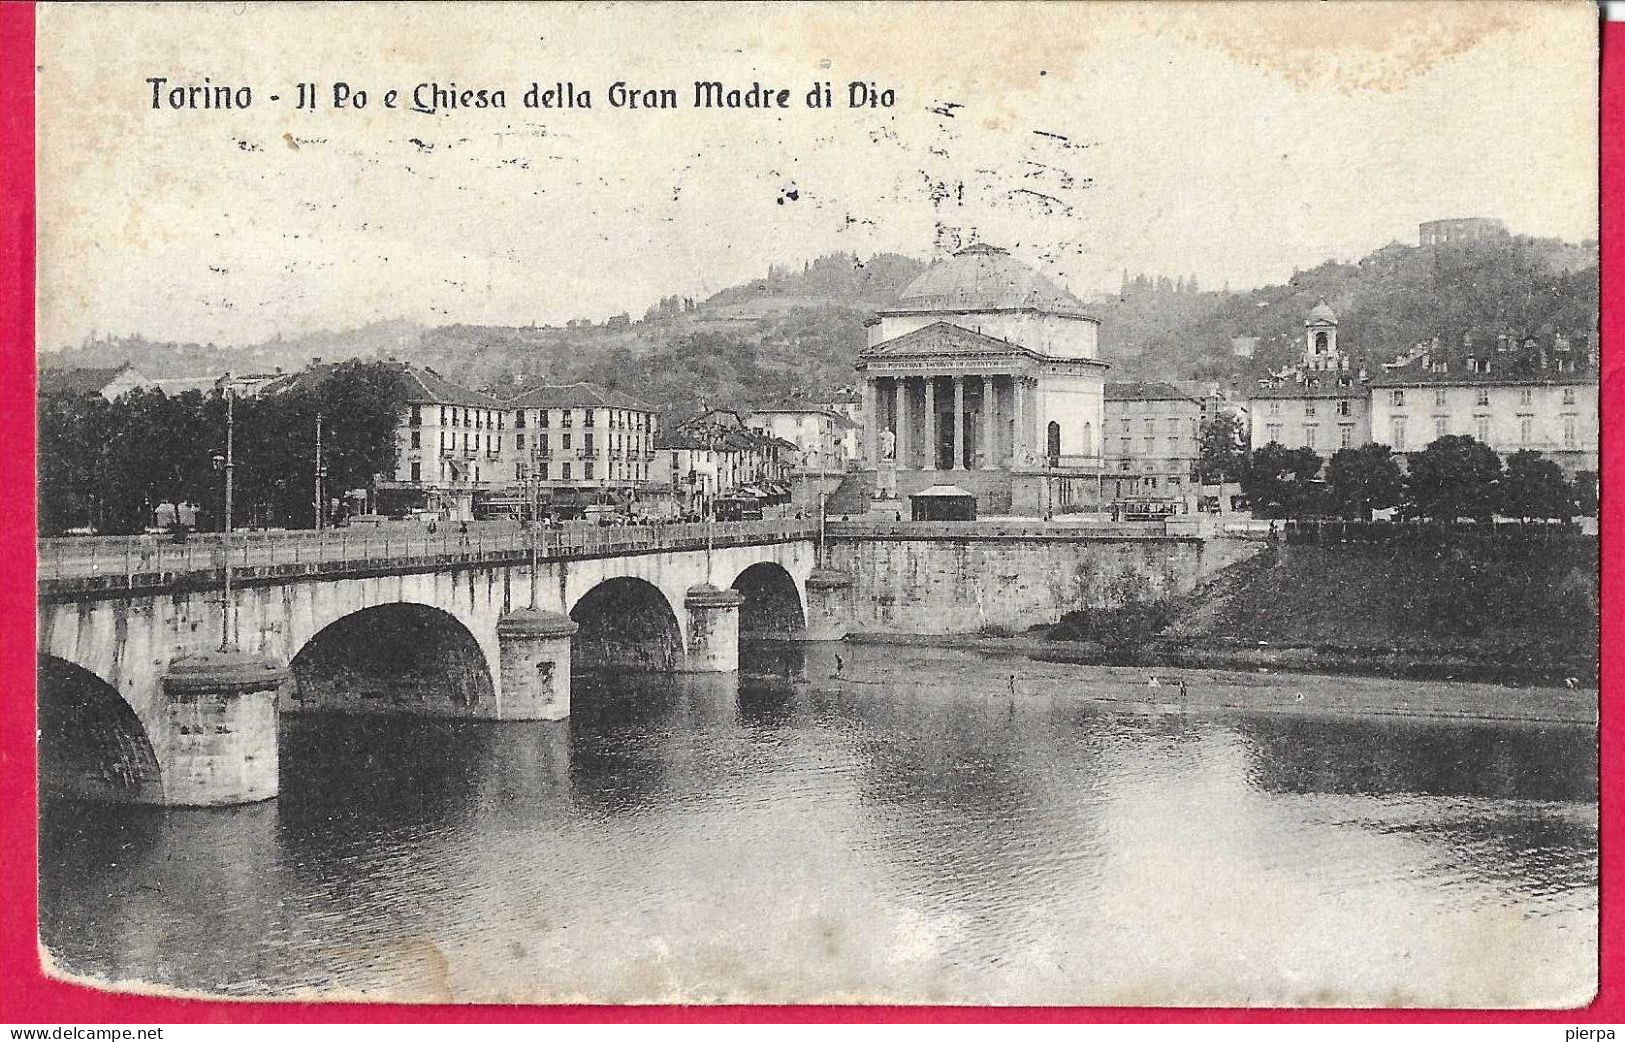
{"x": 1233, "y": 142}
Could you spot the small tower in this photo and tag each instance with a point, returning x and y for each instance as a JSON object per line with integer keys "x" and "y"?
{"x": 1320, "y": 338}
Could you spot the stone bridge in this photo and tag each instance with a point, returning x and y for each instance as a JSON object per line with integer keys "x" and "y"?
{"x": 152, "y": 691}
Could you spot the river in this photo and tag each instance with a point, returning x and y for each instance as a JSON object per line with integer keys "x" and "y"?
{"x": 909, "y": 832}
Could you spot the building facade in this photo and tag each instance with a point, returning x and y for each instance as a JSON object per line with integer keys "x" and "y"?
{"x": 847, "y": 404}
{"x": 1547, "y": 410}
{"x": 987, "y": 370}
{"x": 818, "y": 434}
{"x": 575, "y": 442}
{"x": 1319, "y": 404}
{"x": 1152, "y": 441}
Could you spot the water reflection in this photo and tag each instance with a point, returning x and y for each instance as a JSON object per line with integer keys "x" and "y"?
{"x": 788, "y": 834}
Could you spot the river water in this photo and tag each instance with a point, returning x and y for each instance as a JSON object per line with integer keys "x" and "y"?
{"x": 911, "y": 834}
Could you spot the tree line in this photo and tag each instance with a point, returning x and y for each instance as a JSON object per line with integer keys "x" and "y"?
{"x": 1454, "y": 477}
{"x": 109, "y": 465}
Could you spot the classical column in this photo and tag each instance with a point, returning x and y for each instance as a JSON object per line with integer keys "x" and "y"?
{"x": 1018, "y": 439}
{"x": 900, "y": 412}
{"x": 930, "y": 423}
{"x": 871, "y": 407}
{"x": 959, "y": 424}
{"x": 989, "y": 398}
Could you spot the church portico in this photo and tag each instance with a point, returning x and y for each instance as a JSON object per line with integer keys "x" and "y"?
{"x": 1011, "y": 423}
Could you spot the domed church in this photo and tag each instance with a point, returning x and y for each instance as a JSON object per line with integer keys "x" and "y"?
{"x": 985, "y": 369}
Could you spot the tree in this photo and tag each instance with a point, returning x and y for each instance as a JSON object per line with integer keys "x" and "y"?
{"x": 1364, "y": 479}
{"x": 1534, "y": 487}
{"x": 1454, "y": 477}
{"x": 1223, "y": 451}
{"x": 1279, "y": 481}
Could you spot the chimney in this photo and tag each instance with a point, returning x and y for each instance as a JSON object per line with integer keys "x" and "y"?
{"x": 315, "y": 360}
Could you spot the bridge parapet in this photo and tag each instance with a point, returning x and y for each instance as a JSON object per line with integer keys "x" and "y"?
{"x": 78, "y": 567}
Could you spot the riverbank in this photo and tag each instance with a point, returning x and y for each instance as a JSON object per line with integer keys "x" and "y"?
{"x": 1029, "y": 667}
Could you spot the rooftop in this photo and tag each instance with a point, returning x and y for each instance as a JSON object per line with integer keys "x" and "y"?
{"x": 1146, "y": 390}
{"x": 580, "y": 395}
{"x": 74, "y": 382}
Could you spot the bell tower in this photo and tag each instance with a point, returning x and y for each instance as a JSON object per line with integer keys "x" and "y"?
{"x": 1320, "y": 339}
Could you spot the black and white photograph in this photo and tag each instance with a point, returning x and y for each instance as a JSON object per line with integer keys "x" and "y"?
{"x": 984, "y": 504}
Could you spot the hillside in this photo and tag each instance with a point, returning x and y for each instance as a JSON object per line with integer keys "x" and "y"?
{"x": 799, "y": 330}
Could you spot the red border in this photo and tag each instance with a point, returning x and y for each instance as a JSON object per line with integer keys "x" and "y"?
{"x": 28, "y": 997}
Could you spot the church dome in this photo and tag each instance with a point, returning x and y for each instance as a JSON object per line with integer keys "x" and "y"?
{"x": 983, "y": 278}
{"x": 1321, "y": 313}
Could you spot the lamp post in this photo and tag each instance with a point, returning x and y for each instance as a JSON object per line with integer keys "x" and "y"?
{"x": 321, "y": 472}
{"x": 227, "y": 465}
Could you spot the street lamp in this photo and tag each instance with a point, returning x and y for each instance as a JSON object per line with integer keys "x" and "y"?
{"x": 225, "y": 463}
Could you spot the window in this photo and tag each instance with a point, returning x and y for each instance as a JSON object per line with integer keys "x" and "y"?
{"x": 1150, "y": 446}
{"x": 1345, "y": 436}
{"x": 1568, "y": 432}
{"x": 442, "y": 416}
{"x": 1396, "y": 432}
{"x": 586, "y": 443}
{"x": 1308, "y": 408}
{"x": 586, "y": 471}
{"x": 1345, "y": 407}
{"x": 588, "y": 418}
{"x": 417, "y": 415}
{"x": 1311, "y": 433}
{"x": 1275, "y": 408}
{"x": 1398, "y": 398}
{"x": 566, "y": 442}
{"x": 519, "y": 420}
{"x": 1150, "y": 425}
{"x": 519, "y": 441}
{"x": 1439, "y": 396}
{"x": 674, "y": 463}
{"x": 1173, "y": 424}
{"x": 1441, "y": 426}
{"x": 1568, "y": 396}
{"x": 1526, "y": 429}
{"x": 541, "y": 418}
{"x": 567, "y": 418}
{"x": 1273, "y": 432}
{"x": 417, "y": 471}
{"x": 1526, "y": 396}
{"x": 1127, "y": 426}
{"x": 1173, "y": 446}
{"x": 1482, "y": 423}
{"x": 1483, "y": 397}
{"x": 1127, "y": 449}
{"x": 521, "y": 470}
{"x": 564, "y": 472}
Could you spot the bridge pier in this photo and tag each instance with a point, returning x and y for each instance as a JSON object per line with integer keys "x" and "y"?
{"x": 535, "y": 667}
{"x": 220, "y": 709}
{"x": 829, "y": 604}
{"x": 713, "y": 629}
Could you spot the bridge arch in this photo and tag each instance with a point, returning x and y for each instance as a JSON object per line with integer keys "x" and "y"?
{"x": 626, "y": 623}
{"x": 773, "y": 607}
{"x": 92, "y": 745}
{"x": 400, "y": 657}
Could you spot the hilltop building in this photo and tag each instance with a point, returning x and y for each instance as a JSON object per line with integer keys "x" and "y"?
{"x": 1460, "y": 229}
{"x": 988, "y": 370}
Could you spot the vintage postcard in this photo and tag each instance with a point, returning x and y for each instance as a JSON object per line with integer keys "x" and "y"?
{"x": 989, "y": 503}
